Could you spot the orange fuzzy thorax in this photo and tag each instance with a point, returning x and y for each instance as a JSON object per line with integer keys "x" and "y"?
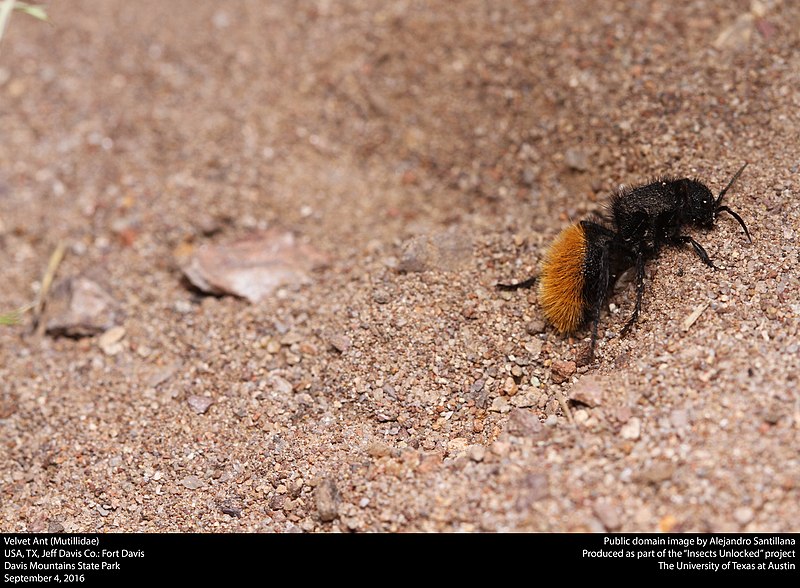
{"x": 561, "y": 280}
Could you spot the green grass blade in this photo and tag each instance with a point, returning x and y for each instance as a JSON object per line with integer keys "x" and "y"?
{"x": 34, "y": 10}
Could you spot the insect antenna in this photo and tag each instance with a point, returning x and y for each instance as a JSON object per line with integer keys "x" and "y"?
{"x": 728, "y": 210}
{"x": 738, "y": 218}
{"x": 733, "y": 179}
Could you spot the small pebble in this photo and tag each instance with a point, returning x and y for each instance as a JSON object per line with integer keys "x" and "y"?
{"x": 307, "y": 525}
{"x": 182, "y": 306}
{"x": 535, "y": 486}
{"x": 667, "y": 523}
{"x": 339, "y": 342}
{"x": 326, "y": 497}
{"x": 429, "y": 462}
{"x": 457, "y": 446}
{"x": 562, "y": 370}
{"x": 588, "y": 391}
{"x": 110, "y": 341}
{"x": 679, "y": 419}
{"x": 386, "y": 416}
{"x": 500, "y": 448}
{"x": 192, "y": 482}
{"x": 608, "y": 514}
{"x": 534, "y": 348}
{"x": 523, "y": 423}
{"x": 280, "y": 385}
{"x": 643, "y": 516}
{"x": 510, "y": 386}
{"x": 535, "y": 327}
{"x": 657, "y": 473}
{"x": 476, "y": 452}
{"x": 525, "y": 400}
{"x": 577, "y": 159}
{"x": 232, "y": 511}
{"x": 199, "y": 404}
{"x": 631, "y": 430}
{"x": 580, "y": 416}
{"x": 743, "y": 515}
{"x": 381, "y": 296}
{"x": 253, "y": 267}
{"x": 500, "y": 404}
{"x": 378, "y": 449}
{"x": 79, "y": 307}
{"x": 55, "y": 527}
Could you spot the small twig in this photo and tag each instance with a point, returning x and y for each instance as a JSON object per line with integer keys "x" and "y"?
{"x": 690, "y": 320}
{"x": 564, "y": 406}
{"x": 47, "y": 281}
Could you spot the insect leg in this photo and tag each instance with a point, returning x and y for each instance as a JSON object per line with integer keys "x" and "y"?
{"x": 599, "y": 295}
{"x": 639, "y": 292}
{"x": 524, "y": 284}
{"x": 595, "y": 323}
{"x": 701, "y": 253}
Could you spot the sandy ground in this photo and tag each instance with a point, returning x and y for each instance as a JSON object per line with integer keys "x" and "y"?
{"x": 430, "y": 149}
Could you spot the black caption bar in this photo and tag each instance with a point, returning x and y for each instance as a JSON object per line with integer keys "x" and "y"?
{"x": 96, "y": 559}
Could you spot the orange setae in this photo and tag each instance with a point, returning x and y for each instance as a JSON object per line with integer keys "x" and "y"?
{"x": 561, "y": 280}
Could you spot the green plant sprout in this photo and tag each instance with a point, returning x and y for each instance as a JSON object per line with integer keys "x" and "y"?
{"x": 7, "y": 6}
